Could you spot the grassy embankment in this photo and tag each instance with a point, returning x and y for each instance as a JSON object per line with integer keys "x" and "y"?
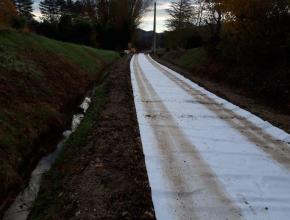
{"x": 41, "y": 81}
{"x": 187, "y": 59}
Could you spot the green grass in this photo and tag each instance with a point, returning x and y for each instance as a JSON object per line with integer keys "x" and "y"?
{"x": 50, "y": 199}
{"x": 187, "y": 58}
{"x": 192, "y": 57}
{"x": 89, "y": 59}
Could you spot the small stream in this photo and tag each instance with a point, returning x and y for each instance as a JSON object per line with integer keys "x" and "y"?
{"x": 23, "y": 203}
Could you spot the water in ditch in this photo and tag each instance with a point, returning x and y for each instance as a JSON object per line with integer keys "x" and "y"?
{"x": 20, "y": 208}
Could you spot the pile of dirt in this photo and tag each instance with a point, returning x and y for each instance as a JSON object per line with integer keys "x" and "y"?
{"x": 106, "y": 178}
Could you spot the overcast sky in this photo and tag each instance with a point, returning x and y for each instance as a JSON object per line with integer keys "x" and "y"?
{"x": 147, "y": 20}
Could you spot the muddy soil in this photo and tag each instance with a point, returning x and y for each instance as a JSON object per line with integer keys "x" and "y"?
{"x": 275, "y": 116}
{"x": 108, "y": 179}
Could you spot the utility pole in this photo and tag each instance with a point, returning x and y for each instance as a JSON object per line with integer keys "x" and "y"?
{"x": 154, "y": 30}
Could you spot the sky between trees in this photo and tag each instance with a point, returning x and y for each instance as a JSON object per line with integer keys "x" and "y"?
{"x": 147, "y": 21}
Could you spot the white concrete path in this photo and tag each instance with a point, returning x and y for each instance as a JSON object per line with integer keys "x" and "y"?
{"x": 207, "y": 158}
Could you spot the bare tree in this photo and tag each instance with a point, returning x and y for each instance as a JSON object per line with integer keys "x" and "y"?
{"x": 209, "y": 13}
{"x": 213, "y": 19}
{"x": 198, "y": 14}
{"x": 181, "y": 15}
{"x": 137, "y": 8}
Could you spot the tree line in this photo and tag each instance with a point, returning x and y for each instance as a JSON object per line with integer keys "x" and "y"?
{"x": 7, "y": 11}
{"x": 250, "y": 39}
{"x": 245, "y": 25}
{"x": 108, "y": 24}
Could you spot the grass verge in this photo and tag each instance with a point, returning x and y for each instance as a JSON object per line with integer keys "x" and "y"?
{"x": 188, "y": 58}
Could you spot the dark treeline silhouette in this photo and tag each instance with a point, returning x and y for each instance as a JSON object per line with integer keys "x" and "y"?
{"x": 182, "y": 29}
{"x": 7, "y": 12}
{"x": 247, "y": 42}
{"x": 241, "y": 29}
{"x": 108, "y": 24}
{"x": 24, "y": 7}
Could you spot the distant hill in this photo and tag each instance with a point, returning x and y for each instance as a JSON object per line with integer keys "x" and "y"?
{"x": 144, "y": 39}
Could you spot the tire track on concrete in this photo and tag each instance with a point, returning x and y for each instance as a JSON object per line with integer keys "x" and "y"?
{"x": 207, "y": 189}
{"x": 277, "y": 149}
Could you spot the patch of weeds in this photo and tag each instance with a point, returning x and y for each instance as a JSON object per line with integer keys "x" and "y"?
{"x": 12, "y": 134}
{"x": 192, "y": 57}
{"x": 44, "y": 114}
{"x": 11, "y": 177}
{"x": 11, "y": 60}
